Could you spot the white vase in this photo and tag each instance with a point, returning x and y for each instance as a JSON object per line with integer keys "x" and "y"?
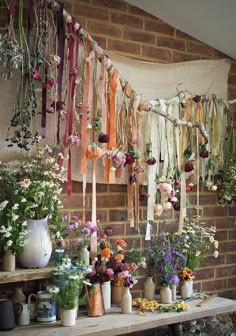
{"x": 149, "y": 288}
{"x": 126, "y": 301}
{"x": 106, "y": 294}
{"x": 68, "y": 317}
{"x": 38, "y": 250}
{"x": 165, "y": 295}
{"x": 190, "y": 284}
{"x": 84, "y": 255}
{"x": 185, "y": 290}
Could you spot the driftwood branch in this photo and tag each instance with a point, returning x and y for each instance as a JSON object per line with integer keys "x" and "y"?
{"x": 145, "y": 104}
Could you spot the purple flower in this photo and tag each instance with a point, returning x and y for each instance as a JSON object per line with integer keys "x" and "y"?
{"x": 175, "y": 280}
{"x": 180, "y": 255}
{"x": 86, "y": 231}
{"x": 168, "y": 256}
{"x": 69, "y": 228}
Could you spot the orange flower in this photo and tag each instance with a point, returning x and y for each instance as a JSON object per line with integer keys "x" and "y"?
{"x": 121, "y": 242}
{"x": 106, "y": 253}
{"x": 119, "y": 257}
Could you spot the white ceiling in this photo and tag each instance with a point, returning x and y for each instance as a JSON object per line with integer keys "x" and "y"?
{"x": 210, "y": 21}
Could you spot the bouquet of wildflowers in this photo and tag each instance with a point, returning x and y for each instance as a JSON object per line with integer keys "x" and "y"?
{"x": 100, "y": 272}
{"x": 198, "y": 239}
{"x": 186, "y": 274}
{"x": 68, "y": 282}
{"x": 82, "y": 232}
{"x": 169, "y": 257}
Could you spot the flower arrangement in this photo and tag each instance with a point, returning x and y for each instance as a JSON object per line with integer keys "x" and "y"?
{"x": 82, "y": 232}
{"x": 100, "y": 272}
{"x": 197, "y": 239}
{"x": 186, "y": 274}
{"x": 68, "y": 282}
{"x": 169, "y": 258}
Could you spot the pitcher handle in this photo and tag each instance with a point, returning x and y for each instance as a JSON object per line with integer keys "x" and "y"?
{"x": 18, "y": 312}
{"x": 29, "y": 301}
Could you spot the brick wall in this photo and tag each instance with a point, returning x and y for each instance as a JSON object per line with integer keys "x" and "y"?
{"x": 130, "y": 31}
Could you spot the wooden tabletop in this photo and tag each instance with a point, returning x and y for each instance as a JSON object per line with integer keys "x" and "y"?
{"x": 116, "y": 323}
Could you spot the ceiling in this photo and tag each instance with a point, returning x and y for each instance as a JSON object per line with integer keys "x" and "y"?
{"x": 210, "y": 21}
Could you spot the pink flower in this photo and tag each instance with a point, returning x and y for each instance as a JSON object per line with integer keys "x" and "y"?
{"x": 56, "y": 60}
{"x": 103, "y": 236}
{"x": 77, "y": 242}
{"x": 36, "y": 75}
{"x": 51, "y": 83}
{"x": 165, "y": 187}
{"x": 118, "y": 159}
{"x": 86, "y": 231}
{"x": 63, "y": 245}
{"x": 74, "y": 217}
{"x": 92, "y": 227}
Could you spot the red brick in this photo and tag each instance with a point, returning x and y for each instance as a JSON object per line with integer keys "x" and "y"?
{"x": 73, "y": 201}
{"x": 212, "y": 261}
{"x": 228, "y": 294}
{"x": 126, "y": 47}
{"x": 205, "y": 274}
{"x": 101, "y": 215}
{"x": 214, "y": 285}
{"x": 185, "y": 36}
{"x": 114, "y": 4}
{"x": 101, "y": 41}
{"x": 199, "y": 48}
{"x": 230, "y": 258}
{"x": 221, "y": 235}
{"x": 158, "y": 26}
{"x": 90, "y": 12}
{"x": 227, "y": 246}
{"x": 225, "y": 271}
{"x": 169, "y": 42}
{"x": 138, "y": 36}
{"x": 232, "y": 79}
{"x": 118, "y": 229}
{"x": 104, "y": 29}
{"x": 111, "y": 201}
{"x": 133, "y": 231}
{"x": 231, "y": 283}
{"x": 232, "y": 211}
{"x": 117, "y": 188}
{"x": 225, "y": 223}
{"x": 191, "y": 212}
{"x": 127, "y": 20}
{"x": 157, "y": 53}
{"x": 138, "y": 11}
{"x": 181, "y": 57}
{"x": 215, "y": 212}
{"x": 203, "y": 199}
{"x": 232, "y": 92}
{"x": 218, "y": 54}
{"x": 118, "y": 215}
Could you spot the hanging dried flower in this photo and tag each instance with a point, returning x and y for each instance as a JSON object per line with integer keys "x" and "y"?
{"x": 94, "y": 152}
{"x": 132, "y": 179}
{"x": 103, "y": 137}
{"x": 151, "y": 161}
{"x": 129, "y": 159}
{"x": 188, "y": 167}
{"x": 118, "y": 159}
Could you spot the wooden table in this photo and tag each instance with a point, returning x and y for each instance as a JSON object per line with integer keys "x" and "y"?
{"x": 115, "y": 323}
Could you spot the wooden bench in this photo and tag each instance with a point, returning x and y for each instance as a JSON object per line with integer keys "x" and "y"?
{"x": 116, "y": 323}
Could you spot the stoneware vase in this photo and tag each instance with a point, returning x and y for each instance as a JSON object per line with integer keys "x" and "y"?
{"x": 106, "y": 294}
{"x": 37, "y": 251}
{"x": 7, "y": 315}
{"x": 8, "y": 262}
{"x": 68, "y": 317}
{"x": 84, "y": 255}
{"x": 149, "y": 288}
{"x": 185, "y": 290}
{"x": 165, "y": 294}
{"x": 19, "y": 296}
{"x": 126, "y": 301}
{"x": 45, "y": 306}
{"x": 173, "y": 291}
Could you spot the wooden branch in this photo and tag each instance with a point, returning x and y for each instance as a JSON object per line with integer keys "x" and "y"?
{"x": 145, "y": 104}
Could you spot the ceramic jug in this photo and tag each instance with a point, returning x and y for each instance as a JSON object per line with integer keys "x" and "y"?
{"x": 45, "y": 306}
{"x": 22, "y": 313}
{"x": 7, "y": 316}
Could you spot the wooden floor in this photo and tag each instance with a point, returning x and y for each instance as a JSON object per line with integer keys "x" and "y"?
{"x": 116, "y": 323}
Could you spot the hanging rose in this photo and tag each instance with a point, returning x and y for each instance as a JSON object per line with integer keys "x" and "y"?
{"x": 141, "y": 197}
{"x": 139, "y": 169}
{"x": 51, "y": 83}
{"x": 176, "y": 206}
{"x": 94, "y": 152}
{"x": 213, "y": 188}
{"x": 165, "y": 187}
{"x": 118, "y": 159}
{"x": 173, "y": 200}
{"x": 188, "y": 167}
{"x": 135, "y": 152}
{"x": 36, "y": 75}
{"x": 151, "y": 161}
{"x": 203, "y": 152}
{"x": 74, "y": 139}
{"x": 189, "y": 187}
{"x": 103, "y": 137}
{"x": 158, "y": 209}
{"x": 129, "y": 159}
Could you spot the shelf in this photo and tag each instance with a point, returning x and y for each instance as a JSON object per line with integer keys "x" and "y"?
{"x": 25, "y": 274}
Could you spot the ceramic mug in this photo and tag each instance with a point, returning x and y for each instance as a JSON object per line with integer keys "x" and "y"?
{"x": 45, "y": 306}
{"x": 22, "y": 313}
